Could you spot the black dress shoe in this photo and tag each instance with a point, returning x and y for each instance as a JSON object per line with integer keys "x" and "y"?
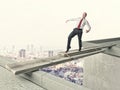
{"x": 67, "y": 49}
{"x": 79, "y": 49}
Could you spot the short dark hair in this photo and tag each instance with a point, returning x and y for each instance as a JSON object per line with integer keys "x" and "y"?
{"x": 85, "y": 13}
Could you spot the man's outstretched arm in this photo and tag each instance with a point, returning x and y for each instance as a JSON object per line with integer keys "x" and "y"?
{"x": 73, "y": 19}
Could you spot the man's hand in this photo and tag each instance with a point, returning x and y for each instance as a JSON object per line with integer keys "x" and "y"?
{"x": 66, "y": 21}
{"x": 87, "y": 31}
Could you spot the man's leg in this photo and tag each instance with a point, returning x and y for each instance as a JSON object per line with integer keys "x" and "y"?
{"x": 72, "y": 34}
{"x": 80, "y": 39}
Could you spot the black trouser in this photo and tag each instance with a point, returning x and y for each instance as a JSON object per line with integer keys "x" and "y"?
{"x": 78, "y": 32}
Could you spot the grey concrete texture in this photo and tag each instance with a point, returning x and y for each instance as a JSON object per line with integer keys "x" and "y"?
{"x": 8, "y": 81}
{"x": 114, "y": 51}
{"x": 102, "y": 72}
{"x": 108, "y": 40}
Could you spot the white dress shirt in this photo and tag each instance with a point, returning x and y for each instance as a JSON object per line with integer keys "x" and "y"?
{"x": 84, "y": 22}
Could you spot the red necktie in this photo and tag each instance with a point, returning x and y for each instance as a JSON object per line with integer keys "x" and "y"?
{"x": 80, "y": 23}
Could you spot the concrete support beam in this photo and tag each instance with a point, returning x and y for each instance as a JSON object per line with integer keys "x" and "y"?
{"x": 24, "y": 67}
{"x": 90, "y": 48}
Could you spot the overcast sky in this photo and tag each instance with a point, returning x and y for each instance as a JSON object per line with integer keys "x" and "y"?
{"x": 42, "y": 22}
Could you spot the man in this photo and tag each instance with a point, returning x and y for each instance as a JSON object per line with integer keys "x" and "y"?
{"x": 81, "y": 22}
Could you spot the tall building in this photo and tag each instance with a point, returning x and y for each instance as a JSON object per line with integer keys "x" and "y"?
{"x": 50, "y": 53}
{"x": 22, "y": 53}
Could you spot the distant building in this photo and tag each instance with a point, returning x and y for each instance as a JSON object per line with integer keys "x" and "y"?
{"x": 22, "y": 53}
{"x": 50, "y": 53}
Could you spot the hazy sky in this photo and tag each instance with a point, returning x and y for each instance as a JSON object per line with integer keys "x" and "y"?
{"x": 42, "y": 22}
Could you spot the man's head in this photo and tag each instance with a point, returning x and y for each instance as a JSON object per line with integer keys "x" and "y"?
{"x": 84, "y": 15}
